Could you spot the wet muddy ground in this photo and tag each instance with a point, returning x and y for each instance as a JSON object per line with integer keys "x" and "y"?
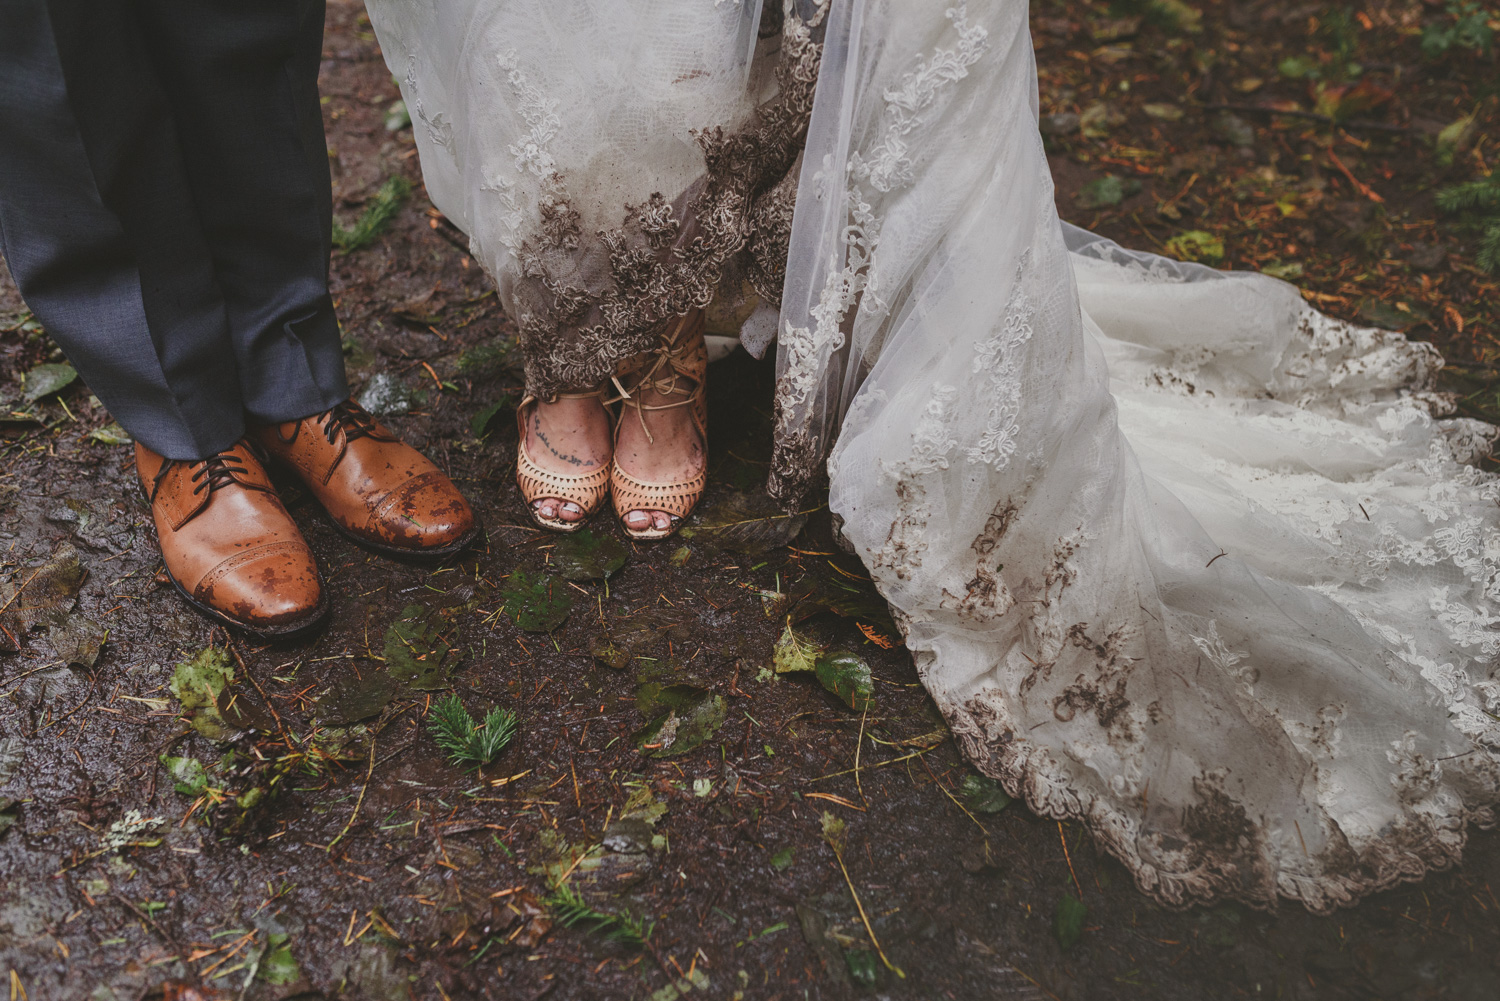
{"x": 181, "y": 807}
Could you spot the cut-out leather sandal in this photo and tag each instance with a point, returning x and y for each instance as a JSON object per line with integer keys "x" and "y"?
{"x": 680, "y": 355}
{"x": 588, "y": 491}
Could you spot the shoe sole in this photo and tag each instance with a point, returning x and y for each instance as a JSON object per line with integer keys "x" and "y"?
{"x": 426, "y": 555}
{"x": 292, "y": 631}
{"x": 558, "y": 525}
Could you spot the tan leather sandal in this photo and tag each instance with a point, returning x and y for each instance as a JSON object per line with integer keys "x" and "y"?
{"x": 587, "y": 490}
{"x": 680, "y": 355}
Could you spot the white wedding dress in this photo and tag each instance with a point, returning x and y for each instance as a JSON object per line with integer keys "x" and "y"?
{"x": 1175, "y": 554}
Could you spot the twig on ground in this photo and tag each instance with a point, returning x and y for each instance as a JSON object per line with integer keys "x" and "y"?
{"x": 857, "y": 748}
{"x": 27, "y": 674}
{"x": 21, "y": 588}
{"x": 93, "y": 684}
{"x": 172, "y": 943}
{"x": 956, "y": 803}
{"x": 878, "y": 764}
{"x": 359, "y": 802}
{"x": 863, "y": 916}
{"x": 1064, "y": 839}
{"x": 1359, "y": 185}
{"x": 285, "y": 738}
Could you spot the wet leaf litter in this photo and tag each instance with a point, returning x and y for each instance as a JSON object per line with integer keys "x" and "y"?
{"x": 323, "y": 841}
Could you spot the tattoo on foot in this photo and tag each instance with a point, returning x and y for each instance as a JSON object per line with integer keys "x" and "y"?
{"x": 536, "y": 425}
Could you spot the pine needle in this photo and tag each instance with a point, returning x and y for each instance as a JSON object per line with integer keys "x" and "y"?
{"x": 377, "y": 215}
{"x": 467, "y": 744}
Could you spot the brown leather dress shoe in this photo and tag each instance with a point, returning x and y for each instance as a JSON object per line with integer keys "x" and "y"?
{"x": 229, "y": 545}
{"x": 379, "y": 491}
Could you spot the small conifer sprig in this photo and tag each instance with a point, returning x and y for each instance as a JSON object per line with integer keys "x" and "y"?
{"x": 570, "y": 909}
{"x": 376, "y": 216}
{"x": 1479, "y": 201}
{"x": 467, "y": 744}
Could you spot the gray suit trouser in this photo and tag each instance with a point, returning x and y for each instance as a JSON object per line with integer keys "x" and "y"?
{"x": 165, "y": 207}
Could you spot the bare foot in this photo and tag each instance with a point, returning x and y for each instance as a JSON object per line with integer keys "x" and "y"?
{"x": 675, "y": 456}
{"x": 570, "y": 438}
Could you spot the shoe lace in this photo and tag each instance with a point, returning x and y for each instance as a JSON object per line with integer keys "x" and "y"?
{"x": 218, "y": 471}
{"x": 664, "y": 375}
{"x": 354, "y": 421}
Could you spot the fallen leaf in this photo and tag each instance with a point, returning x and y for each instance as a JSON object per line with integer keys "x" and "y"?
{"x": 611, "y": 655}
{"x": 847, "y": 676}
{"x": 583, "y": 555}
{"x": 1390, "y": 316}
{"x": 242, "y": 711}
{"x": 1113, "y": 28}
{"x": 537, "y": 603}
{"x": 354, "y": 698}
{"x": 534, "y": 919}
{"x": 1455, "y": 138}
{"x": 1289, "y": 271}
{"x": 1195, "y": 245}
{"x": 1233, "y": 129}
{"x": 833, "y": 832}
{"x": 278, "y": 965}
{"x": 863, "y": 969}
{"x": 77, "y": 640}
{"x": 743, "y": 523}
{"x": 1341, "y": 102}
{"x": 110, "y": 434}
{"x": 984, "y": 794}
{"x": 44, "y": 380}
{"x": 181, "y": 990}
{"x": 397, "y": 117}
{"x": 1097, "y": 119}
{"x": 198, "y": 682}
{"x": 1067, "y": 923}
{"x": 47, "y": 593}
{"x": 188, "y": 774}
{"x": 480, "y": 425}
{"x": 842, "y": 595}
{"x": 682, "y": 986}
{"x": 1177, "y": 16}
{"x": 1107, "y": 191}
{"x": 647, "y": 630}
{"x": 1299, "y": 68}
{"x": 794, "y": 653}
{"x": 416, "y": 652}
{"x": 692, "y": 715}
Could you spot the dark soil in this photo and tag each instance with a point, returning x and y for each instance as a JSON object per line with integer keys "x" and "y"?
{"x": 329, "y": 849}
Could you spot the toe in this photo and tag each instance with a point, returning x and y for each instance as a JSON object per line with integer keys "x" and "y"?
{"x": 546, "y": 507}
{"x": 275, "y": 587}
{"x": 638, "y": 520}
{"x": 571, "y": 512}
{"x": 661, "y": 520}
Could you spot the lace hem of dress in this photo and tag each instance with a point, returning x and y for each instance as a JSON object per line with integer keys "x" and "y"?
{"x": 586, "y": 307}
{"x": 1224, "y": 858}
